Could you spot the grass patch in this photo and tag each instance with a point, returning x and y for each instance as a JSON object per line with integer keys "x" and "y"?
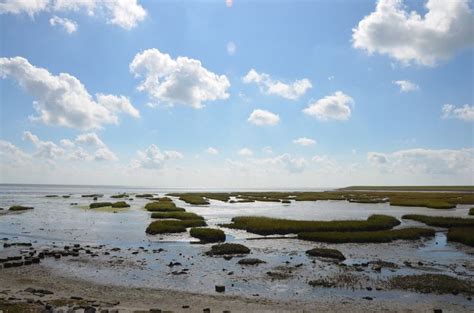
{"x": 120, "y": 196}
{"x": 207, "y": 235}
{"x": 120, "y": 204}
{"x": 368, "y": 236}
{"x": 144, "y": 195}
{"x": 177, "y": 215}
{"x": 17, "y": 208}
{"x": 326, "y": 253}
{"x": 96, "y": 205}
{"x": 410, "y": 188}
{"x": 433, "y": 283}
{"x": 274, "y": 226}
{"x": 93, "y": 195}
{"x": 172, "y": 226}
{"x": 462, "y": 235}
{"x": 228, "y": 248}
{"x": 429, "y": 203}
{"x": 163, "y": 206}
{"x": 440, "y": 221}
{"x": 471, "y": 211}
{"x": 193, "y": 199}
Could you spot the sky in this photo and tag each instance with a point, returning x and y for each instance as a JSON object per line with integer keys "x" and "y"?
{"x": 237, "y": 94}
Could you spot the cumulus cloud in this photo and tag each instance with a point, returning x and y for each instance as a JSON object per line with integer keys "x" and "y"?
{"x": 68, "y": 25}
{"x": 285, "y": 161}
{"x": 11, "y": 154}
{"x": 408, "y": 37}
{"x": 153, "y": 158}
{"x": 44, "y": 149}
{"x": 376, "y": 158}
{"x": 177, "y": 81}
{"x": 268, "y": 85}
{"x": 62, "y": 99}
{"x": 406, "y": 85}
{"x": 212, "y": 150}
{"x": 334, "y": 107}
{"x": 465, "y": 112}
{"x": 262, "y": 118}
{"x": 123, "y": 13}
{"x": 444, "y": 162}
{"x": 246, "y": 152}
{"x": 303, "y": 141}
{"x": 90, "y": 139}
{"x": 267, "y": 150}
{"x": 66, "y": 143}
{"x": 104, "y": 154}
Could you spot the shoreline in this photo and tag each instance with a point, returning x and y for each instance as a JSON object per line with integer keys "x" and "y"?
{"x": 130, "y": 299}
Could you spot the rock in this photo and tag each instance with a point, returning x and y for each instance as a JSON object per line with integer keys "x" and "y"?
{"x": 250, "y": 261}
{"x": 155, "y": 311}
{"x": 368, "y": 298}
{"x": 89, "y": 309}
{"x": 185, "y": 307}
{"x": 220, "y": 288}
{"x": 206, "y": 310}
{"x": 369, "y": 288}
{"x": 76, "y": 298}
{"x": 437, "y": 311}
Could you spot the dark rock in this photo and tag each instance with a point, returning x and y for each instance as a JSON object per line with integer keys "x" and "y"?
{"x": 76, "y": 298}
{"x": 220, "y": 288}
{"x": 368, "y": 298}
{"x": 89, "y": 309}
{"x": 206, "y": 310}
{"x": 437, "y": 311}
{"x": 250, "y": 261}
{"x": 369, "y": 288}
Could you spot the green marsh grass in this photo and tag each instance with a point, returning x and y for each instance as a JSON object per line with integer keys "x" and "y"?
{"x": 368, "y": 236}
{"x": 462, "y": 235}
{"x": 207, "y": 235}
{"x": 441, "y": 221}
{"x": 227, "y": 249}
{"x": 177, "y": 215}
{"x": 163, "y": 206}
{"x": 471, "y": 211}
{"x": 274, "y": 226}
{"x": 20, "y": 208}
{"x": 172, "y": 226}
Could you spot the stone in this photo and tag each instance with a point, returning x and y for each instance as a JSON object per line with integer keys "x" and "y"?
{"x": 220, "y": 288}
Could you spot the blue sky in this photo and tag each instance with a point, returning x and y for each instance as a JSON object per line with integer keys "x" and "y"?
{"x": 421, "y": 135}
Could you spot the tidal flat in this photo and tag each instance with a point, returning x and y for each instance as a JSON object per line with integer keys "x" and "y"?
{"x": 78, "y": 253}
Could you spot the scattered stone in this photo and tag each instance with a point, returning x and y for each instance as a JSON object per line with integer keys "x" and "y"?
{"x": 250, "y": 261}
{"x": 220, "y": 288}
{"x": 368, "y": 298}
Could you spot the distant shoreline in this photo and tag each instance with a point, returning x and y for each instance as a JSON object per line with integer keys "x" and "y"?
{"x": 409, "y": 188}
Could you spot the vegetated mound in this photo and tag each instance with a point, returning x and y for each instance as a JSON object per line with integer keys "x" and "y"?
{"x": 462, "y": 235}
{"x": 441, "y": 221}
{"x": 326, "y": 253}
{"x": 433, "y": 283}
{"x": 228, "y": 249}
{"x": 207, "y": 235}
{"x": 172, "y": 226}
{"x": 177, "y": 215}
{"x": 250, "y": 261}
{"x": 163, "y": 206}
{"x": 274, "y": 226}
{"x": 16, "y": 208}
{"x": 412, "y": 233}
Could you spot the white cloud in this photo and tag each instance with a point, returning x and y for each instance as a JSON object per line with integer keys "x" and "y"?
{"x": 68, "y": 25}
{"x": 63, "y": 100}
{"x": 291, "y": 91}
{"x": 11, "y": 154}
{"x": 267, "y": 150}
{"x": 262, "y": 117}
{"x": 419, "y": 161}
{"x": 177, "y": 81}
{"x": 303, "y": 141}
{"x": 153, "y": 158}
{"x": 376, "y": 158}
{"x": 333, "y": 107}
{"x": 90, "y": 139}
{"x": 408, "y": 37}
{"x": 246, "y": 152}
{"x": 406, "y": 85}
{"x": 44, "y": 149}
{"x": 66, "y": 143}
{"x": 212, "y": 150}
{"x": 123, "y": 13}
{"x": 231, "y": 48}
{"x": 104, "y": 154}
{"x": 285, "y": 161}
{"x": 465, "y": 112}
